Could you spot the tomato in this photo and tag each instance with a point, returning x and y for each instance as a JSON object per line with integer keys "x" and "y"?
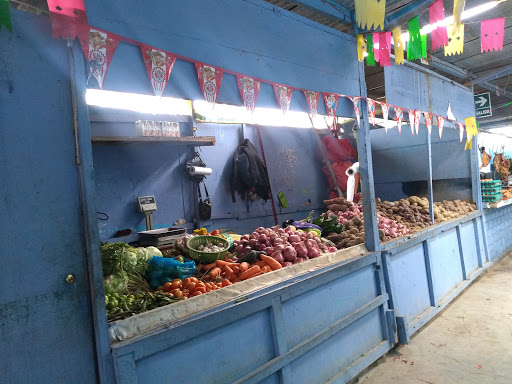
{"x": 176, "y": 280}
{"x": 197, "y": 293}
{"x": 189, "y": 286}
{"x": 226, "y": 282}
{"x": 200, "y": 284}
{"x": 175, "y": 284}
{"x": 160, "y": 289}
{"x": 215, "y": 232}
{"x": 187, "y": 280}
{"x": 194, "y": 279}
{"x": 219, "y": 285}
{"x": 199, "y": 289}
{"x": 167, "y": 286}
{"x": 177, "y": 293}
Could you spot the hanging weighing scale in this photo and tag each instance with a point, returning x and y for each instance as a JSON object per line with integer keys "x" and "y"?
{"x": 147, "y": 205}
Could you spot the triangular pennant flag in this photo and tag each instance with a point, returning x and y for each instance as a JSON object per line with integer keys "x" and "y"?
{"x": 99, "y": 48}
{"x": 440, "y": 124}
{"x": 67, "y": 17}
{"x": 458, "y": 8}
{"x": 417, "y": 118}
{"x": 5, "y": 15}
{"x": 491, "y": 35}
{"x": 331, "y": 103}
{"x": 376, "y": 52}
{"x": 414, "y": 50}
{"x": 423, "y": 45}
{"x": 461, "y": 131}
{"x": 361, "y": 47}
{"x": 312, "y": 99}
{"x": 371, "y": 111}
{"x": 159, "y": 66}
{"x": 471, "y": 130}
{"x": 370, "y": 59}
{"x": 412, "y": 120}
{"x": 439, "y": 34}
{"x": 370, "y": 13}
{"x": 210, "y": 79}
{"x": 428, "y": 121}
{"x": 357, "y": 109}
{"x": 399, "y": 45}
{"x": 455, "y": 42}
{"x": 449, "y": 114}
{"x": 284, "y": 96}
{"x": 399, "y": 116}
{"x": 385, "y": 111}
{"x": 249, "y": 90}
{"x": 385, "y": 49}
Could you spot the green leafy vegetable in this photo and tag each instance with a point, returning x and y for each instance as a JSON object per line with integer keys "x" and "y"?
{"x": 328, "y": 225}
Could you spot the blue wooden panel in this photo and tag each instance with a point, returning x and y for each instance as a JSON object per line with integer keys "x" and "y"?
{"x": 408, "y": 281}
{"x": 400, "y": 164}
{"x": 446, "y": 265}
{"x": 233, "y": 46}
{"x": 312, "y": 311}
{"x": 469, "y": 246}
{"x": 328, "y": 359}
{"x": 220, "y": 356}
{"x": 45, "y": 323}
{"x": 272, "y": 379}
{"x": 450, "y": 160}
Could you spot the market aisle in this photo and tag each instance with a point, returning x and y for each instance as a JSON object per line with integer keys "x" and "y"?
{"x": 470, "y": 342}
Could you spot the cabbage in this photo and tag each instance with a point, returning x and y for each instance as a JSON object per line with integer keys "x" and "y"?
{"x": 153, "y": 251}
{"x": 116, "y": 283}
{"x": 129, "y": 259}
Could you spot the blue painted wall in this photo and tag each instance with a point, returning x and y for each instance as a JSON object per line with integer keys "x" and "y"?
{"x": 499, "y": 226}
{"x": 266, "y": 43}
{"x": 46, "y": 329}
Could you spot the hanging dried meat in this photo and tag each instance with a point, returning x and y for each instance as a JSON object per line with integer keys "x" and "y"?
{"x": 502, "y": 165}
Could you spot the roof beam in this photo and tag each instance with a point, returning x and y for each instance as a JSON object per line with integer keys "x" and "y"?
{"x": 466, "y": 75}
{"x": 327, "y": 8}
{"x": 406, "y": 13}
{"x": 497, "y": 73}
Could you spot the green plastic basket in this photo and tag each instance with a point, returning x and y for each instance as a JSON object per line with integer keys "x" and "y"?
{"x": 207, "y": 257}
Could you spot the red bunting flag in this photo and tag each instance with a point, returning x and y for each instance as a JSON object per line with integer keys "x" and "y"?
{"x": 491, "y": 34}
{"x": 331, "y": 103}
{"x": 399, "y": 117}
{"x": 385, "y": 48}
{"x": 385, "y": 110}
{"x": 461, "y": 131}
{"x": 439, "y": 35}
{"x": 440, "y": 124}
{"x": 417, "y": 118}
{"x": 283, "y": 96}
{"x": 159, "y": 66}
{"x": 428, "y": 121}
{"x": 249, "y": 89}
{"x": 67, "y": 17}
{"x": 412, "y": 117}
{"x": 99, "y": 48}
{"x": 312, "y": 99}
{"x": 357, "y": 109}
{"x": 371, "y": 111}
{"x": 210, "y": 79}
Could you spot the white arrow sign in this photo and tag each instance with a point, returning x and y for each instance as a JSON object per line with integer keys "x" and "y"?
{"x": 481, "y": 101}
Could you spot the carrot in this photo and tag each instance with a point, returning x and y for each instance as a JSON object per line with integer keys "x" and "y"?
{"x": 207, "y": 267}
{"x": 266, "y": 269}
{"x": 244, "y": 266}
{"x": 272, "y": 263}
{"x": 199, "y": 267}
{"x": 215, "y": 272}
{"x": 222, "y": 263}
{"x": 250, "y": 272}
{"x": 261, "y": 264}
{"x": 235, "y": 268}
{"x": 229, "y": 273}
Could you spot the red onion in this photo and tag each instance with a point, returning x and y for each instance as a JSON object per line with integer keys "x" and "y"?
{"x": 253, "y": 243}
{"x": 268, "y": 250}
{"x": 290, "y": 253}
{"x": 278, "y": 241}
{"x": 246, "y": 250}
{"x": 245, "y": 243}
{"x": 294, "y": 239}
{"x": 333, "y": 249}
{"x": 313, "y": 253}
{"x": 259, "y": 247}
{"x": 317, "y": 240}
{"x": 286, "y": 264}
{"x": 309, "y": 243}
{"x": 301, "y": 249}
{"x": 239, "y": 249}
{"x": 310, "y": 236}
{"x": 279, "y": 247}
{"x": 244, "y": 237}
{"x": 262, "y": 238}
{"x": 281, "y": 231}
{"x": 299, "y": 260}
{"x": 265, "y": 232}
{"x": 278, "y": 256}
{"x": 273, "y": 237}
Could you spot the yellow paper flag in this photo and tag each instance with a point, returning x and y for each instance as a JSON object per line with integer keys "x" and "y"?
{"x": 370, "y": 13}
{"x": 458, "y": 7}
{"x": 399, "y": 46}
{"x": 361, "y": 47}
{"x": 471, "y": 130}
{"x": 455, "y": 42}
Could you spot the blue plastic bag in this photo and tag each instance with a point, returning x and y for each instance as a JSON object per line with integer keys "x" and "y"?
{"x": 163, "y": 269}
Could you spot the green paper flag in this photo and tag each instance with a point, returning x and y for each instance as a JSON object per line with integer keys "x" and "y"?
{"x": 5, "y": 15}
{"x": 424, "y": 46}
{"x": 414, "y": 50}
{"x": 370, "y": 59}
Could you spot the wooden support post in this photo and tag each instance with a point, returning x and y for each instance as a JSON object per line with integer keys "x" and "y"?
{"x": 475, "y": 174}
{"x": 364, "y": 151}
{"x": 429, "y": 181}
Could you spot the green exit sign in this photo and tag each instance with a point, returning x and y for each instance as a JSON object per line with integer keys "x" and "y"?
{"x": 483, "y": 104}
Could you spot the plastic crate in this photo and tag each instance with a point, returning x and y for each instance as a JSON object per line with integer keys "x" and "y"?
{"x": 207, "y": 257}
{"x": 492, "y": 199}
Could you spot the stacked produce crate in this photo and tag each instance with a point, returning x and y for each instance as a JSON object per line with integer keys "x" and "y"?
{"x": 491, "y": 191}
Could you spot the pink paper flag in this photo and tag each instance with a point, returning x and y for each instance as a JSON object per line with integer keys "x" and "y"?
{"x": 385, "y": 48}
{"x": 331, "y": 103}
{"x": 98, "y": 47}
{"x": 159, "y": 66}
{"x": 439, "y": 35}
{"x": 371, "y": 111}
{"x": 357, "y": 109}
{"x": 210, "y": 79}
{"x": 428, "y": 121}
{"x": 491, "y": 35}
{"x": 399, "y": 116}
{"x": 412, "y": 117}
{"x": 312, "y": 98}
{"x": 249, "y": 89}
{"x": 440, "y": 124}
{"x": 461, "y": 131}
{"x": 385, "y": 110}
{"x": 375, "y": 42}
{"x": 67, "y": 17}
{"x": 417, "y": 118}
{"x": 284, "y": 96}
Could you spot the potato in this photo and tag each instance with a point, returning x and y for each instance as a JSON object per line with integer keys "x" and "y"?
{"x": 354, "y": 231}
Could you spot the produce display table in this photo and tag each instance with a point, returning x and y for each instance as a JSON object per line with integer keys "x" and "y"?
{"x": 499, "y": 204}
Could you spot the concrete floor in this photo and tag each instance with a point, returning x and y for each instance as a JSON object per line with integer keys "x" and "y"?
{"x": 469, "y": 342}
